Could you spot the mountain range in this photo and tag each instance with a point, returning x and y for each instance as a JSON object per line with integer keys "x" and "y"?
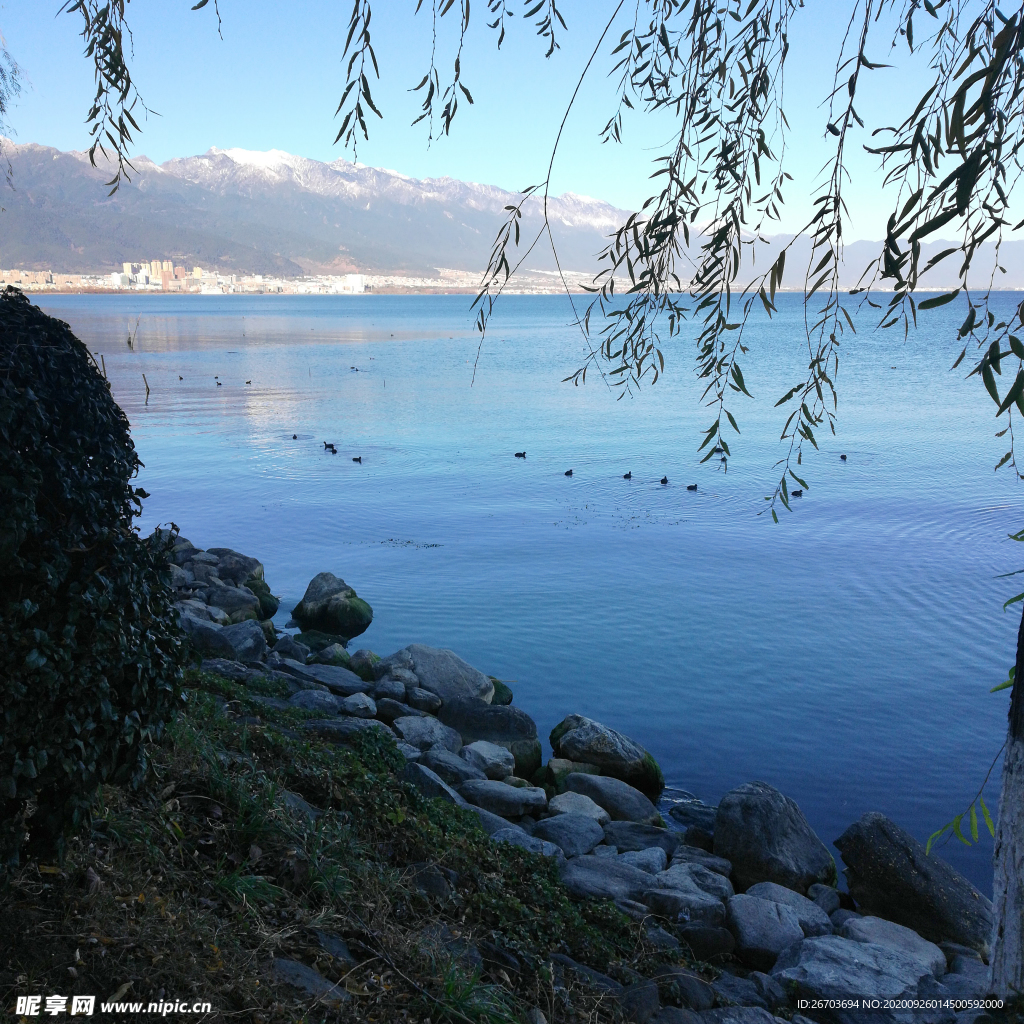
{"x": 240, "y": 211}
{"x": 272, "y": 213}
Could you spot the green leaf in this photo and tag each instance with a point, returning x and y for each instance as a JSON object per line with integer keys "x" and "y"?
{"x": 974, "y": 823}
{"x": 938, "y": 300}
{"x": 988, "y": 817}
{"x": 956, "y": 830}
{"x": 1016, "y": 389}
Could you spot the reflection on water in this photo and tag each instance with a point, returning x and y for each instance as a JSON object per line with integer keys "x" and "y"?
{"x": 845, "y": 655}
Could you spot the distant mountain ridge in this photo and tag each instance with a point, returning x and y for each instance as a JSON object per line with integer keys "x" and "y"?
{"x": 243, "y": 211}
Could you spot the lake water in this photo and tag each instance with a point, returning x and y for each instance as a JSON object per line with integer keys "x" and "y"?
{"x": 844, "y": 655}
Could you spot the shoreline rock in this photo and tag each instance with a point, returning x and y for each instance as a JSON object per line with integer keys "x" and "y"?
{"x": 747, "y": 879}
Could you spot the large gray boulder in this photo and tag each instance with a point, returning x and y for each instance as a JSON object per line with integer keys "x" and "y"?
{"x": 361, "y": 705}
{"x": 767, "y": 838}
{"x": 577, "y": 803}
{"x": 628, "y": 835}
{"x": 763, "y": 929}
{"x": 895, "y": 936}
{"x": 338, "y": 680}
{"x": 652, "y": 861}
{"x": 454, "y": 769}
{"x": 890, "y": 875}
{"x": 423, "y": 732}
{"x": 622, "y": 801}
{"x": 813, "y": 920}
{"x": 236, "y": 602}
{"x": 831, "y": 967}
{"x": 582, "y": 739}
{"x": 332, "y": 606}
{"x": 688, "y": 876}
{"x": 604, "y": 878}
{"x": 206, "y": 638}
{"x": 438, "y": 671}
{"x": 236, "y": 567}
{"x": 494, "y": 761}
{"x": 574, "y": 834}
{"x": 248, "y": 640}
{"x": 507, "y": 726}
{"x": 508, "y": 801}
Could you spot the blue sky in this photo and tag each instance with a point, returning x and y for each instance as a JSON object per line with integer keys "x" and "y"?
{"x": 274, "y": 80}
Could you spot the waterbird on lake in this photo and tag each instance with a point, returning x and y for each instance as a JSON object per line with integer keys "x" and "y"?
{"x": 664, "y": 479}
{"x": 796, "y": 494}
{"x": 628, "y": 476}
{"x": 691, "y": 487}
{"x": 248, "y": 382}
{"x": 568, "y": 472}
{"x": 180, "y": 377}
{"x": 295, "y": 437}
{"x": 843, "y": 457}
{"x": 219, "y": 384}
{"x": 357, "y": 458}
{"x": 520, "y": 455}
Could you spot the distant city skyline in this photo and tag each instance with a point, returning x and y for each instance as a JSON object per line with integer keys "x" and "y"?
{"x": 203, "y": 92}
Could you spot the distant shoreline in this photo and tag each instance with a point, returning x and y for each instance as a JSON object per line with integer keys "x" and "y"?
{"x": 377, "y": 291}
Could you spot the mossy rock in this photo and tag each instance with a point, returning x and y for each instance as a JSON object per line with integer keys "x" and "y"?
{"x": 317, "y": 641}
{"x": 528, "y": 756}
{"x": 651, "y": 779}
{"x": 362, "y": 663}
{"x": 502, "y": 694}
{"x": 268, "y": 603}
{"x": 330, "y": 604}
{"x": 333, "y": 654}
{"x": 558, "y": 769}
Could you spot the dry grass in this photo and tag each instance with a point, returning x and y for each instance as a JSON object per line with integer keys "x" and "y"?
{"x": 188, "y": 888}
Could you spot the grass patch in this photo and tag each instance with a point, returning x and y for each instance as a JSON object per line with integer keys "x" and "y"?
{"x": 248, "y": 842}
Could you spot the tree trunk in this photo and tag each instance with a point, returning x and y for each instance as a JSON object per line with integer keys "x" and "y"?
{"x": 1008, "y": 883}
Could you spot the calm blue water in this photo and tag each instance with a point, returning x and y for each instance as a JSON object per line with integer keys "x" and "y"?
{"x": 844, "y": 655}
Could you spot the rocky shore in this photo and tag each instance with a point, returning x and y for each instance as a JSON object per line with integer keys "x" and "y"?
{"x": 745, "y": 890}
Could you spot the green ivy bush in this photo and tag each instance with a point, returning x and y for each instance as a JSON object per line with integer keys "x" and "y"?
{"x": 90, "y": 656}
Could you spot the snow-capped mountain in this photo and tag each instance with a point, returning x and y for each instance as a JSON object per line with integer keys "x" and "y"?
{"x": 271, "y": 212}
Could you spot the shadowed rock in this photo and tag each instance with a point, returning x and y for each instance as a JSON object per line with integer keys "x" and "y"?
{"x": 767, "y": 838}
{"x": 332, "y": 606}
{"x": 890, "y": 875}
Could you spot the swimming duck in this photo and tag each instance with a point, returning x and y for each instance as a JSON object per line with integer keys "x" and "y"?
{"x": 568, "y": 472}
{"x": 628, "y": 476}
{"x": 358, "y": 458}
{"x": 691, "y": 487}
{"x": 796, "y": 494}
{"x": 248, "y": 382}
{"x": 520, "y": 455}
{"x": 219, "y": 384}
{"x": 843, "y": 457}
{"x": 664, "y": 479}
{"x": 180, "y": 377}
{"x": 295, "y": 437}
